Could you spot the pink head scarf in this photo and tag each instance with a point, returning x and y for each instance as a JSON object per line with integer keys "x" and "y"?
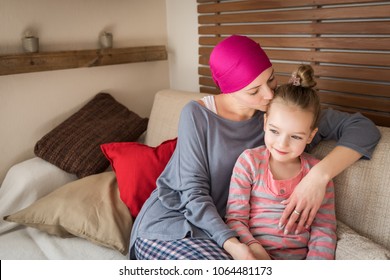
{"x": 236, "y": 61}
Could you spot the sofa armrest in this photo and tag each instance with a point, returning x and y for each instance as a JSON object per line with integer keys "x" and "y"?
{"x": 353, "y": 246}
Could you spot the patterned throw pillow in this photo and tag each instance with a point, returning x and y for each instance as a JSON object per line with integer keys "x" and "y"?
{"x": 74, "y": 145}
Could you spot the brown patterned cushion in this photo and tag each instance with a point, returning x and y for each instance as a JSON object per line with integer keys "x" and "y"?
{"x": 74, "y": 145}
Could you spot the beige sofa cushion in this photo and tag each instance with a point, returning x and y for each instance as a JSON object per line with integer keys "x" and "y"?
{"x": 353, "y": 246}
{"x": 363, "y": 192}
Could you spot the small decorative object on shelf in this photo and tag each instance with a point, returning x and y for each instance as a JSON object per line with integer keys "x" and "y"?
{"x": 30, "y": 43}
{"x": 105, "y": 40}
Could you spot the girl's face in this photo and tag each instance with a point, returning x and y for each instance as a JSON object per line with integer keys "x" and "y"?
{"x": 287, "y": 131}
{"x": 258, "y": 94}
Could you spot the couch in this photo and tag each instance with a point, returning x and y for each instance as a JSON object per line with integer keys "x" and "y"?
{"x": 362, "y": 200}
{"x": 362, "y": 191}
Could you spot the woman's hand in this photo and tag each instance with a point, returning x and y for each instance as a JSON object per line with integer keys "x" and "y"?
{"x": 238, "y": 250}
{"x": 307, "y": 197}
{"x": 304, "y": 202}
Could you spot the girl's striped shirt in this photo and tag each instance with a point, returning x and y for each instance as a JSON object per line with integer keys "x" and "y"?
{"x": 254, "y": 209}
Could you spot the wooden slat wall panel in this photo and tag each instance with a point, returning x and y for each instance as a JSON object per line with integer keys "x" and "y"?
{"x": 272, "y": 4}
{"x": 374, "y": 74}
{"x": 311, "y": 14}
{"x": 346, "y": 41}
{"x": 372, "y": 59}
{"x": 367, "y": 28}
{"x": 380, "y": 117}
{"x": 314, "y": 42}
{"x": 377, "y": 74}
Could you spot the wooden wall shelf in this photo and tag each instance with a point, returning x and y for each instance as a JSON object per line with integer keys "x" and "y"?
{"x": 46, "y": 61}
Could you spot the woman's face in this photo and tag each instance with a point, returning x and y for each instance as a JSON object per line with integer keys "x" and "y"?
{"x": 258, "y": 94}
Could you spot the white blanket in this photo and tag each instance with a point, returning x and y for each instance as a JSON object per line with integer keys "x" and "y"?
{"x": 24, "y": 184}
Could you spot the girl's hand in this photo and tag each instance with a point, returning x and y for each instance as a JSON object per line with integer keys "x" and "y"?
{"x": 304, "y": 202}
{"x": 238, "y": 250}
{"x": 259, "y": 252}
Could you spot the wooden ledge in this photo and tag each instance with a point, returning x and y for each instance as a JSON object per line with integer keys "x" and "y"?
{"x": 46, "y": 61}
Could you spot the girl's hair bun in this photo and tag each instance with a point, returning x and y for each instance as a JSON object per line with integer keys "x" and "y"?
{"x": 305, "y": 73}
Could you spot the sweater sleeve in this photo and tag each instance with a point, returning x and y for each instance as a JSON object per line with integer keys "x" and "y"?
{"x": 238, "y": 205}
{"x": 350, "y": 130}
{"x": 186, "y": 186}
{"x": 322, "y": 243}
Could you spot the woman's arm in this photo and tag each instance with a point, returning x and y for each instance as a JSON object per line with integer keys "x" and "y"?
{"x": 357, "y": 137}
{"x": 185, "y": 184}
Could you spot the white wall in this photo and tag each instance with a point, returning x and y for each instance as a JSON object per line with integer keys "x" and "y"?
{"x": 32, "y": 104}
{"x": 182, "y": 25}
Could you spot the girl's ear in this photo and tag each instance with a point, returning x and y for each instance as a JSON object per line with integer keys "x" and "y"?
{"x": 312, "y": 134}
{"x": 265, "y": 120}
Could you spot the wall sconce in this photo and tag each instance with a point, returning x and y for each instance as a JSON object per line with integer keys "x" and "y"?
{"x": 105, "y": 40}
{"x": 30, "y": 43}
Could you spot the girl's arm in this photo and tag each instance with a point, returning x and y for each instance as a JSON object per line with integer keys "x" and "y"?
{"x": 357, "y": 137}
{"x": 322, "y": 243}
{"x": 238, "y": 211}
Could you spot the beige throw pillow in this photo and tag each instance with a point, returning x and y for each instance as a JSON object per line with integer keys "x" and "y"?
{"x": 89, "y": 208}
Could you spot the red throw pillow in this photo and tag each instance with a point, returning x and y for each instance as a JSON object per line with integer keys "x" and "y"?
{"x": 137, "y": 167}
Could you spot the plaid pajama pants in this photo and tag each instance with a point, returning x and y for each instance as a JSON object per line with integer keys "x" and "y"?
{"x": 182, "y": 249}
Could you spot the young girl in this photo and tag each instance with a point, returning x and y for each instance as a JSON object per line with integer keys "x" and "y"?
{"x": 265, "y": 176}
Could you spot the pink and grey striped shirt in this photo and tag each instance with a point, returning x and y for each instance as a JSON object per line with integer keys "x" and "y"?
{"x": 254, "y": 209}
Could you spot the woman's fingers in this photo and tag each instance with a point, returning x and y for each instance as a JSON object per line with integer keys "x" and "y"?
{"x": 303, "y": 221}
{"x": 305, "y": 225}
{"x": 293, "y": 212}
{"x": 303, "y": 218}
{"x": 305, "y": 201}
{"x": 286, "y": 213}
{"x": 296, "y": 217}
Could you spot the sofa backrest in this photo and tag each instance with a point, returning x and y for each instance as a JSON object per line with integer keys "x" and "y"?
{"x": 363, "y": 191}
{"x": 164, "y": 117}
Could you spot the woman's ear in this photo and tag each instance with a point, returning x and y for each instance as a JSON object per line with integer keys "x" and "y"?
{"x": 312, "y": 134}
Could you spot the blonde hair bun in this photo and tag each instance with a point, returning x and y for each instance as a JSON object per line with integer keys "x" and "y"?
{"x": 306, "y": 75}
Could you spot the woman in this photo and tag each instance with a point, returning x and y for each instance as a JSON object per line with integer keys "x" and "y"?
{"x": 182, "y": 219}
